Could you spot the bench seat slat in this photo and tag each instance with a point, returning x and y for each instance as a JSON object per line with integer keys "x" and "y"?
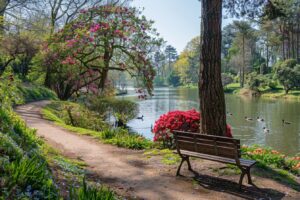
{"x": 243, "y": 162}
{"x": 207, "y": 141}
{"x": 206, "y": 148}
{"x": 209, "y": 137}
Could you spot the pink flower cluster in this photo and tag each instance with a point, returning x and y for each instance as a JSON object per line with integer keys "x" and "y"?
{"x": 69, "y": 61}
{"x": 70, "y": 43}
{"x": 94, "y": 28}
{"x": 141, "y": 94}
{"x": 175, "y": 120}
{"x": 178, "y": 120}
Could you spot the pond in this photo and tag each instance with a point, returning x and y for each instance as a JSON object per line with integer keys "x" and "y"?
{"x": 284, "y": 138}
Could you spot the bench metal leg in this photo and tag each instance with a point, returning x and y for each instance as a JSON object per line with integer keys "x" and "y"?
{"x": 249, "y": 176}
{"x": 187, "y": 159}
{"x": 241, "y": 178}
{"x": 189, "y": 164}
{"x": 179, "y": 167}
{"x": 244, "y": 172}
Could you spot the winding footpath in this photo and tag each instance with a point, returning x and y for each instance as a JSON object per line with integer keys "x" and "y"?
{"x": 128, "y": 172}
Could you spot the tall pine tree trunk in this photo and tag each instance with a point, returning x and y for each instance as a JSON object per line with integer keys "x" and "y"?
{"x": 244, "y": 64}
{"x": 212, "y": 101}
{"x": 293, "y": 42}
{"x": 298, "y": 42}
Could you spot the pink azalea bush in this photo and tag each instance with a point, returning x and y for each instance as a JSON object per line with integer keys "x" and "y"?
{"x": 178, "y": 120}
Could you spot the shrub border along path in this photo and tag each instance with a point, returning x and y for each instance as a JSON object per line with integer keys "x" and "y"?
{"x": 129, "y": 173}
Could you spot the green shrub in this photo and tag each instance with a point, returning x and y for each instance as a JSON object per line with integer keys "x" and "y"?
{"x": 8, "y": 147}
{"x": 174, "y": 79}
{"x": 288, "y": 74}
{"x": 30, "y": 172}
{"x": 13, "y": 126}
{"x": 273, "y": 84}
{"x": 9, "y": 94}
{"x": 254, "y": 81}
{"x": 75, "y": 115}
{"x": 122, "y": 110}
{"x": 35, "y": 93}
{"x": 122, "y": 138}
{"x": 227, "y": 79}
{"x": 89, "y": 192}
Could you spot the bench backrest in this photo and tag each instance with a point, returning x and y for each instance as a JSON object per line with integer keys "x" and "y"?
{"x": 208, "y": 144}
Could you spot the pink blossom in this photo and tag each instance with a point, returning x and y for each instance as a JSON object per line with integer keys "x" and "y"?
{"x": 70, "y": 43}
{"x": 95, "y": 28}
{"x": 69, "y": 61}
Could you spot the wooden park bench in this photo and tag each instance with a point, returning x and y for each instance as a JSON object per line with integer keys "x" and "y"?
{"x": 214, "y": 148}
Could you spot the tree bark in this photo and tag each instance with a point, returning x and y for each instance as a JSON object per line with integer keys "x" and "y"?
{"x": 293, "y": 42}
{"x": 3, "y": 6}
{"x": 212, "y": 100}
{"x": 244, "y": 63}
{"x": 104, "y": 71}
{"x": 268, "y": 55}
{"x": 297, "y": 42}
{"x": 283, "y": 41}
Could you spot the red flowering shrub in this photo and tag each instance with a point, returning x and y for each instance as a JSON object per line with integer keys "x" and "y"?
{"x": 178, "y": 120}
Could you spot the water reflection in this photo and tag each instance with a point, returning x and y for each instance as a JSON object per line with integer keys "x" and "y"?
{"x": 285, "y": 138}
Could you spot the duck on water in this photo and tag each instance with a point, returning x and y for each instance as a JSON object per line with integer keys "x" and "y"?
{"x": 141, "y": 117}
{"x": 248, "y": 118}
{"x": 286, "y": 122}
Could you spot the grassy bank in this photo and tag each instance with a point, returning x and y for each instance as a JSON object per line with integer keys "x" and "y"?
{"x": 280, "y": 94}
{"x": 29, "y": 169}
{"x": 232, "y": 88}
{"x": 32, "y": 93}
{"x": 190, "y": 86}
{"x": 58, "y": 112}
{"x": 24, "y": 169}
{"x": 276, "y": 93}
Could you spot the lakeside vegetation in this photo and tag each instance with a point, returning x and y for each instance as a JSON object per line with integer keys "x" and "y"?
{"x": 90, "y": 124}
{"x": 263, "y": 92}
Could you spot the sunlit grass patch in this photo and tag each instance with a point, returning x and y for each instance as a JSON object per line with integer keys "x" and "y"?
{"x": 167, "y": 156}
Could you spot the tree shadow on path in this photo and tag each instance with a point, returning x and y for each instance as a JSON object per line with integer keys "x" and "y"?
{"x": 231, "y": 187}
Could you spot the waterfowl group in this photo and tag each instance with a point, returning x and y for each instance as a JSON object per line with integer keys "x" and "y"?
{"x": 259, "y": 120}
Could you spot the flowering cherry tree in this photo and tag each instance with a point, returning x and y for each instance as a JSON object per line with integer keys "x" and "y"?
{"x": 178, "y": 120}
{"x": 102, "y": 39}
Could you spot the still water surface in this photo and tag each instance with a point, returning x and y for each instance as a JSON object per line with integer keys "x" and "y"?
{"x": 284, "y": 138}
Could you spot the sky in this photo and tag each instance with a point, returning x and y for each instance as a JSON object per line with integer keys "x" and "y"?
{"x": 177, "y": 21}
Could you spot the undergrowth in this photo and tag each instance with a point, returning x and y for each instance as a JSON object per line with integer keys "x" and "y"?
{"x": 120, "y": 137}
